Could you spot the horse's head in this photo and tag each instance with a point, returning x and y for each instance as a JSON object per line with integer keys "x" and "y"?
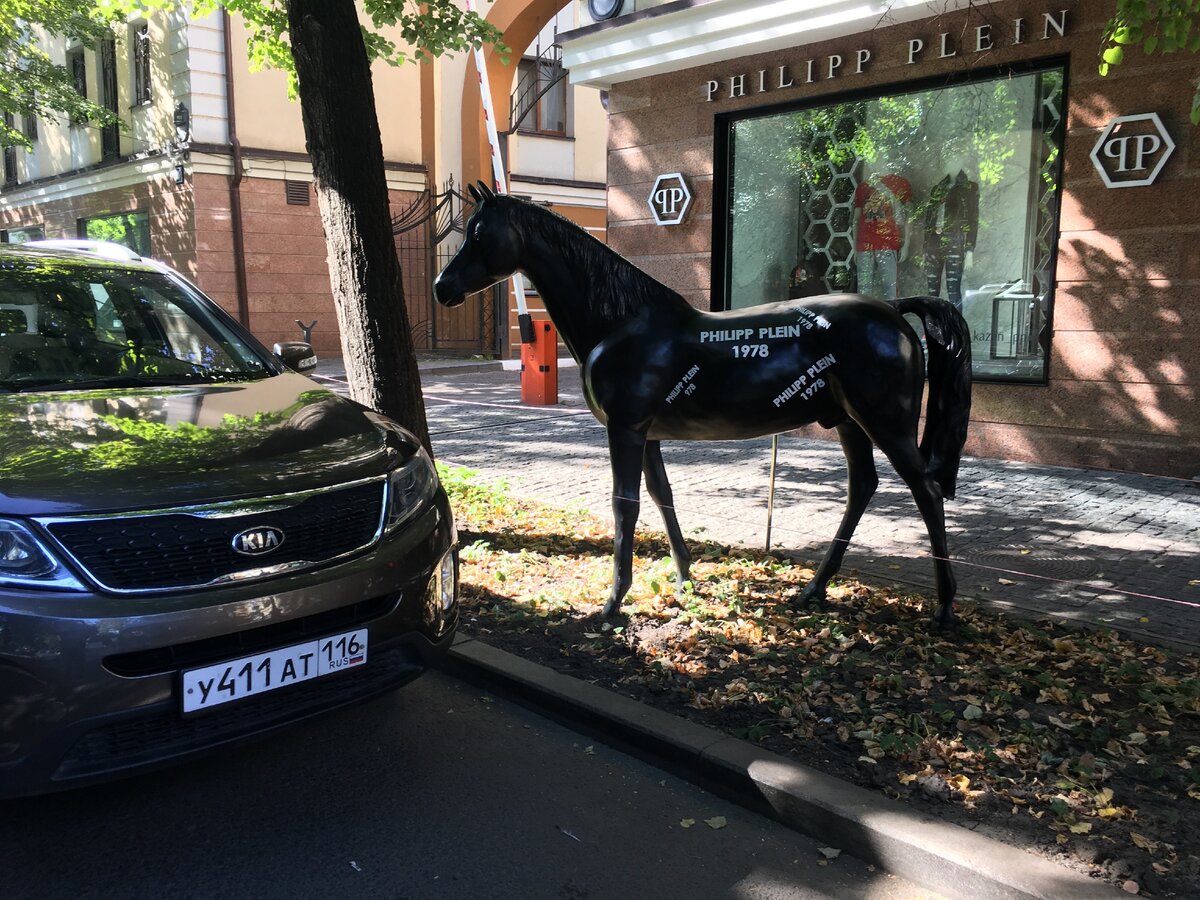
{"x": 490, "y": 252}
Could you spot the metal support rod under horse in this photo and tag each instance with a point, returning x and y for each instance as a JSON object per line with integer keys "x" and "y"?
{"x": 654, "y": 368}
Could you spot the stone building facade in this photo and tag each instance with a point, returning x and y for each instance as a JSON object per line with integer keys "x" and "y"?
{"x": 1080, "y": 296}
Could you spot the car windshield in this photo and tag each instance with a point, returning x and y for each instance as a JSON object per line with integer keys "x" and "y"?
{"x": 65, "y": 325}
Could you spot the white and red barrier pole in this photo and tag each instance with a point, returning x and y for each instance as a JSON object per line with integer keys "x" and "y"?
{"x": 501, "y": 183}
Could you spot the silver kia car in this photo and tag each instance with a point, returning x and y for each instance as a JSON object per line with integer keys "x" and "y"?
{"x": 198, "y": 544}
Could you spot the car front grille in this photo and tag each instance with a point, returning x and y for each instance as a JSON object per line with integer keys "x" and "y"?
{"x": 177, "y": 549}
{"x": 164, "y": 735}
{"x": 195, "y": 654}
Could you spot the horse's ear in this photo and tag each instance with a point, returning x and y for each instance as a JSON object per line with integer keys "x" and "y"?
{"x": 474, "y": 193}
{"x": 488, "y": 193}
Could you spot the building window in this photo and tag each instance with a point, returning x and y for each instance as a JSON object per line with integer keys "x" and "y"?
{"x": 110, "y": 135}
{"x": 541, "y": 97}
{"x": 21, "y": 235}
{"x": 77, "y": 66}
{"x": 139, "y": 39}
{"x": 130, "y": 229}
{"x": 10, "y": 156}
{"x": 952, "y": 191}
{"x": 29, "y": 124}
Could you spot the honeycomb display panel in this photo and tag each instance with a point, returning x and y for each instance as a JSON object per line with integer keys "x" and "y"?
{"x": 950, "y": 190}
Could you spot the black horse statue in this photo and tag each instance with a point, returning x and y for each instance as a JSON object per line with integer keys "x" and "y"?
{"x": 654, "y": 368}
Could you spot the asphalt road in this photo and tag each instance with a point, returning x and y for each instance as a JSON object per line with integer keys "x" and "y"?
{"x": 436, "y": 791}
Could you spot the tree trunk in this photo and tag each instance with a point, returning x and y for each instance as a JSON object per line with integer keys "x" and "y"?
{"x": 337, "y": 103}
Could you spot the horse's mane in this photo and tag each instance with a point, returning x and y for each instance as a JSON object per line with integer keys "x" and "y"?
{"x": 617, "y": 288}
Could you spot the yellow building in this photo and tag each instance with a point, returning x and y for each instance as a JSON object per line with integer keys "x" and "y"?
{"x": 209, "y": 171}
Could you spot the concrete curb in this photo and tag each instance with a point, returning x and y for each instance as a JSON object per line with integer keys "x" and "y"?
{"x": 946, "y": 858}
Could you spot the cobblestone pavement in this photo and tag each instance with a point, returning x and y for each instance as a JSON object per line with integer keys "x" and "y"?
{"x": 1093, "y": 547}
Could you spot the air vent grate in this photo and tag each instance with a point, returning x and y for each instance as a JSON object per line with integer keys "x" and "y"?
{"x": 297, "y": 192}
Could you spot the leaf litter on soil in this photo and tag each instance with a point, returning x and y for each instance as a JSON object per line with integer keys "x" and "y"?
{"x": 1080, "y": 744}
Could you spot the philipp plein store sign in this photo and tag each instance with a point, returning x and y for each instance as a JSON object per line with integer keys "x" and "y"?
{"x": 945, "y": 45}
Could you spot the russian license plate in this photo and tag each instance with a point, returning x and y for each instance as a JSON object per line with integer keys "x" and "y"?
{"x": 240, "y": 678}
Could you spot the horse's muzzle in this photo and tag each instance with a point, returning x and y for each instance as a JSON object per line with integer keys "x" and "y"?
{"x": 446, "y": 294}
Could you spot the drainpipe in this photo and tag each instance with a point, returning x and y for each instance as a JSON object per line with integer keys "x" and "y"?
{"x": 235, "y": 181}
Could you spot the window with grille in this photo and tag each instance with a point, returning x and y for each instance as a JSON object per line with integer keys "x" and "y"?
{"x": 10, "y": 157}
{"x": 78, "y": 67}
{"x": 542, "y": 100}
{"x": 139, "y": 38}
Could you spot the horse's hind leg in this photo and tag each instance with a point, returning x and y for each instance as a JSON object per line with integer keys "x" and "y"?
{"x": 860, "y": 464}
{"x": 907, "y": 459}
{"x": 660, "y": 492}
{"x": 626, "y": 449}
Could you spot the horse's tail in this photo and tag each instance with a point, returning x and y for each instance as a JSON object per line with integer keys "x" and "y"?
{"x": 948, "y": 340}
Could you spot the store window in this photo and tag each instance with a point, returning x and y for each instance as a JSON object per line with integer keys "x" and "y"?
{"x": 951, "y": 191}
{"x": 129, "y": 229}
{"x": 21, "y": 235}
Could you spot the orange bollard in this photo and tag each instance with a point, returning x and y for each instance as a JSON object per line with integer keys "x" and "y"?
{"x": 539, "y": 366}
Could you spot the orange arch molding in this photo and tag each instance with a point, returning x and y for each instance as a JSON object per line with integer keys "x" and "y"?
{"x": 519, "y": 21}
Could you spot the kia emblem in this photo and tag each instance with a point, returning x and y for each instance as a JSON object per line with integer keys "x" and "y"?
{"x": 257, "y": 541}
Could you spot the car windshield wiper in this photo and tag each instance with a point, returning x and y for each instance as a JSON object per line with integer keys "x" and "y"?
{"x": 129, "y": 381}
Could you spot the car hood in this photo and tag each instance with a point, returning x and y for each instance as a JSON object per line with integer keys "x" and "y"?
{"x": 95, "y": 450}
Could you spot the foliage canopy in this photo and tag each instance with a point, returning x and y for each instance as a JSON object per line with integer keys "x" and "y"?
{"x": 428, "y": 29}
{"x": 1156, "y": 26}
{"x": 33, "y": 86}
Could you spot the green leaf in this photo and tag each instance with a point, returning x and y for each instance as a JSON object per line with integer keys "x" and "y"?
{"x": 1150, "y": 44}
{"x": 1114, "y": 55}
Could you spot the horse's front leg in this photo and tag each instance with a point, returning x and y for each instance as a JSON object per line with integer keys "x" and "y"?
{"x": 660, "y": 492}
{"x": 626, "y": 449}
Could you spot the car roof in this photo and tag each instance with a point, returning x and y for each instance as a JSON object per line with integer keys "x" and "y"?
{"x": 81, "y": 252}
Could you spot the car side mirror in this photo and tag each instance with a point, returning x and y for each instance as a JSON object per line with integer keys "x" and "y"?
{"x": 296, "y": 355}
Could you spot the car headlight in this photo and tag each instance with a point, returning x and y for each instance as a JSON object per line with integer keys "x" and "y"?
{"x": 25, "y": 561}
{"x": 409, "y": 488}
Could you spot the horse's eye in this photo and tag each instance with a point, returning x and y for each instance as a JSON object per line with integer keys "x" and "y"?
{"x": 478, "y": 232}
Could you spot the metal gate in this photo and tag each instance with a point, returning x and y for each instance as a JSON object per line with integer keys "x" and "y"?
{"x": 428, "y": 234}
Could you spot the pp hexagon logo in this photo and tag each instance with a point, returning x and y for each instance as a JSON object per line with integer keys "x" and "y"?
{"x": 669, "y": 199}
{"x": 1132, "y": 150}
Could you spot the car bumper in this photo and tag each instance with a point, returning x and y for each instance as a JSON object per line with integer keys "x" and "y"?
{"x": 90, "y": 684}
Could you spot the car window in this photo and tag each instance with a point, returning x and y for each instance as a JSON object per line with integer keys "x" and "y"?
{"x": 62, "y": 324}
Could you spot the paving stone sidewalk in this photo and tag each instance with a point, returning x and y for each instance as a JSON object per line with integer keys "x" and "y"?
{"x": 1093, "y": 547}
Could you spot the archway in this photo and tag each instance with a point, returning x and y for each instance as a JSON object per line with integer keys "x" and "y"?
{"x": 520, "y": 21}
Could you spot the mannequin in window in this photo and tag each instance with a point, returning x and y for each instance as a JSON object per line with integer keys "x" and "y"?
{"x": 880, "y": 233}
{"x": 951, "y": 227}
{"x": 807, "y": 278}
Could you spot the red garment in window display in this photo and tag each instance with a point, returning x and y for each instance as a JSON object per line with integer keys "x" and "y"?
{"x": 880, "y": 204}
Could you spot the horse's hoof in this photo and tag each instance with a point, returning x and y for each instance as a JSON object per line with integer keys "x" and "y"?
{"x": 612, "y": 609}
{"x": 945, "y": 621}
{"x": 811, "y": 596}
